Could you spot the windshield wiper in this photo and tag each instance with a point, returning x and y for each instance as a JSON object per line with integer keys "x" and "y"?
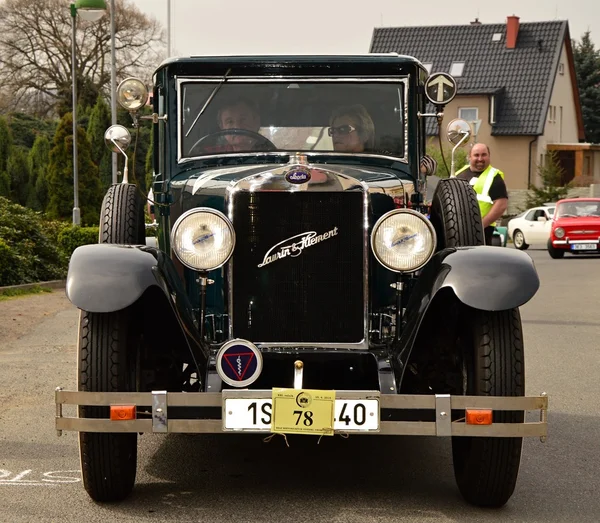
{"x": 208, "y": 100}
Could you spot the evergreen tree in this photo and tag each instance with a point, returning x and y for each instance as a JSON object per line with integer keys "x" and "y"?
{"x": 551, "y": 174}
{"x": 38, "y": 163}
{"x": 99, "y": 121}
{"x": 6, "y": 142}
{"x": 18, "y": 174}
{"x": 60, "y": 176}
{"x": 587, "y": 69}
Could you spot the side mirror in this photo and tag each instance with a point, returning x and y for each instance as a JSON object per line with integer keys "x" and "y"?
{"x": 542, "y": 219}
{"x": 458, "y": 133}
{"x": 117, "y": 139}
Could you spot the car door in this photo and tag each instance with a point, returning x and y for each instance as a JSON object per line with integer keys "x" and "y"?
{"x": 536, "y": 229}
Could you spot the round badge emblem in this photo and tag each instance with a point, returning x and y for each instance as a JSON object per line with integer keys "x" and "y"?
{"x": 239, "y": 363}
{"x": 297, "y": 176}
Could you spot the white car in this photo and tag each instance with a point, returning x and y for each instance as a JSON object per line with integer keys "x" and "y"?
{"x": 531, "y": 226}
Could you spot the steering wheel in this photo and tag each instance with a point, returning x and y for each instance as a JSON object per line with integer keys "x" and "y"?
{"x": 210, "y": 140}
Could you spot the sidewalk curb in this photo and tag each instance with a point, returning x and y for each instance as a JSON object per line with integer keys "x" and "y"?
{"x": 55, "y": 284}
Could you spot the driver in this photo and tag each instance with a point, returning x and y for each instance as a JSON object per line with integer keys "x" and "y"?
{"x": 240, "y": 113}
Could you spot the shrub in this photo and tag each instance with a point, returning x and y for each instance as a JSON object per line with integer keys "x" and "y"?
{"x": 72, "y": 237}
{"x": 29, "y": 253}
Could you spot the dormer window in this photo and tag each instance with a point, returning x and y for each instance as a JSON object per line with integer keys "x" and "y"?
{"x": 496, "y": 37}
{"x": 456, "y": 69}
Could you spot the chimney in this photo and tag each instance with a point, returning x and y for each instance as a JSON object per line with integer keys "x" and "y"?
{"x": 512, "y": 31}
{"x": 475, "y": 22}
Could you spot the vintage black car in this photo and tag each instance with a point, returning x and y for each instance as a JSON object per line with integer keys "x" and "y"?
{"x": 299, "y": 285}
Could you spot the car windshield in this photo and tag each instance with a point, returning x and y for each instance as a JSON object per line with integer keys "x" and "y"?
{"x": 235, "y": 116}
{"x": 578, "y": 209}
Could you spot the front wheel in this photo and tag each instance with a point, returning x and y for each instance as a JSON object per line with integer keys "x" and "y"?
{"x": 486, "y": 469}
{"x": 108, "y": 349}
{"x": 519, "y": 240}
{"x": 556, "y": 254}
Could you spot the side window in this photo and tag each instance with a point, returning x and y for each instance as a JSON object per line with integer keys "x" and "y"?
{"x": 530, "y": 216}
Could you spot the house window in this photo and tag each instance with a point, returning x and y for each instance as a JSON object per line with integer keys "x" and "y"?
{"x": 496, "y": 37}
{"x": 456, "y": 69}
{"x": 470, "y": 114}
{"x": 561, "y": 68}
{"x": 428, "y": 66}
{"x": 552, "y": 114}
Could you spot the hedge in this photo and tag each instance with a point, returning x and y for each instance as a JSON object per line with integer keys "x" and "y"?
{"x": 35, "y": 249}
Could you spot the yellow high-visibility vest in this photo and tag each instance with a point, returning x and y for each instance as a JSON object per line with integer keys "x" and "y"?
{"x": 482, "y": 185}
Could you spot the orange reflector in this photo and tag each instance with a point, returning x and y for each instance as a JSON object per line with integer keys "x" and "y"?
{"x": 479, "y": 417}
{"x": 122, "y": 412}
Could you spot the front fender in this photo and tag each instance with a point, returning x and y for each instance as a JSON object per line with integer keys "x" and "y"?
{"x": 487, "y": 278}
{"x": 483, "y": 277}
{"x": 106, "y": 277}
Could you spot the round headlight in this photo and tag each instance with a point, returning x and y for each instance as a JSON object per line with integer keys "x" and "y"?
{"x": 132, "y": 94}
{"x": 203, "y": 239}
{"x": 403, "y": 240}
{"x": 559, "y": 232}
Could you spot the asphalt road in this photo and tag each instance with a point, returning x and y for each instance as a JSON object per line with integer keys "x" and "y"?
{"x": 361, "y": 479}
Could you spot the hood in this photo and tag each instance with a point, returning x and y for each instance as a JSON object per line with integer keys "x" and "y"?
{"x": 209, "y": 187}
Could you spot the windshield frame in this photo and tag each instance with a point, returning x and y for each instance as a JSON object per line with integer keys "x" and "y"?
{"x": 392, "y": 79}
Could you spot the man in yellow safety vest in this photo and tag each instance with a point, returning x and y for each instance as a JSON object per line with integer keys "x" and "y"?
{"x": 489, "y": 185}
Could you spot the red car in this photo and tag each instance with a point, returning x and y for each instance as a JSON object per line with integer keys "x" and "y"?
{"x": 575, "y": 227}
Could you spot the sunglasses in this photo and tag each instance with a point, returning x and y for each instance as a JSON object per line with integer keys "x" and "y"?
{"x": 342, "y": 129}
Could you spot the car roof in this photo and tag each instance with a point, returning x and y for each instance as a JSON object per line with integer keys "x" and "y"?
{"x": 589, "y": 199}
{"x": 346, "y": 65}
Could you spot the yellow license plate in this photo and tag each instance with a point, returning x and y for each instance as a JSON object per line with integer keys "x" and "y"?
{"x": 303, "y": 411}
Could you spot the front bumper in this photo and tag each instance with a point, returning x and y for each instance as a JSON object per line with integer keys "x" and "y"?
{"x": 569, "y": 244}
{"x": 449, "y": 413}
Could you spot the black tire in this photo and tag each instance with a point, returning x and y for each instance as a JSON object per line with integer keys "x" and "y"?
{"x": 519, "y": 240}
{"x": 455, "y": 215}
{"x": 486, "y": 469}
{"x": 107, "y": 363}
{"x": 122, "y": 216}
{"x": 555, "y": 254}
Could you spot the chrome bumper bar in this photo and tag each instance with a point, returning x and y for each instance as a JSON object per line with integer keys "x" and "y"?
{"x": 158, "y": 421}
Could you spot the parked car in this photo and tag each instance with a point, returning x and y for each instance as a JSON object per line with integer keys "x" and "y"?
{"x": 575, "y": 227}
{"x": 531, "y": 226}
{"x": 500, "y": 236}
{"x": 298, "y": 288}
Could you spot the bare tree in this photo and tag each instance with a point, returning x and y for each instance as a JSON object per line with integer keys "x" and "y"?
{"x": 35, "y": 53}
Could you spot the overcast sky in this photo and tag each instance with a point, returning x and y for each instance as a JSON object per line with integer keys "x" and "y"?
{"x": 336, "y": 26}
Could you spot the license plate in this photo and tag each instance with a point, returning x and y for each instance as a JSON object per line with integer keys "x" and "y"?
{"x": 252, "y": 414}
{"x": 584, "y": 246}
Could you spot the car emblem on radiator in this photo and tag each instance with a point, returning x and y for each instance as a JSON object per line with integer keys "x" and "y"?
{"x": 298, "y": 176}
{"x": 239, "y": 363}
{"x": 295, "y": 245}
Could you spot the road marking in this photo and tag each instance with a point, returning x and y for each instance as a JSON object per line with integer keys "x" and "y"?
{"x": 39, "y": 479}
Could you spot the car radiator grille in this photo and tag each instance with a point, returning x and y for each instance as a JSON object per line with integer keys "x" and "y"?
{"x": 309, "y": 294}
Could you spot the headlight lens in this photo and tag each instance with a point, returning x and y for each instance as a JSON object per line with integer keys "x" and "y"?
{"x": 203, "y": 239}
{"x": 403, "y": 240}
{"x": 132, "y": 94}
{"x": 559, "y": 232}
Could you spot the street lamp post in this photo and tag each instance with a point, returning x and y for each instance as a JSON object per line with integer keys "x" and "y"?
{"x": 91, "y": 10}
{"x": 113, "y": 84}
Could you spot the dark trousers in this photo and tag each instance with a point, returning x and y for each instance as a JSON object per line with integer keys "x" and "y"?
{"x": 489, "y": 232}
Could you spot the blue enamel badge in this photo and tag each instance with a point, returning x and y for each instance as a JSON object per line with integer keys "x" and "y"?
{"x": 297, "y": 176}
